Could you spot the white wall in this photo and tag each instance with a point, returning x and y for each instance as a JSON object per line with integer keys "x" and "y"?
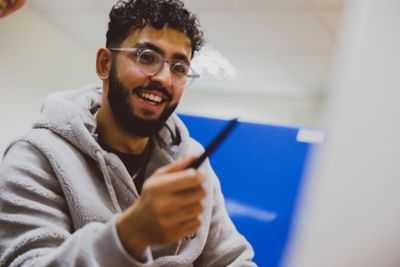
{"x": 37, "y": 58}
{"x": 259, "y": 108}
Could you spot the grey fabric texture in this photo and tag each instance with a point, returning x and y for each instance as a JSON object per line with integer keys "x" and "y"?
{"x": 60, "y": 194}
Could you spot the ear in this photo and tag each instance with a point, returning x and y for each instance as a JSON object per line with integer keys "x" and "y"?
{"x": 103, "y": 63}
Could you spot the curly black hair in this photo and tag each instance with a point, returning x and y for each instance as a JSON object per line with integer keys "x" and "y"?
{"x": 128, "y": 16}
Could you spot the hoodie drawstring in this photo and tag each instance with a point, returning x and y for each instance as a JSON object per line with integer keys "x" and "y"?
{"x": 107, "y": 179}
{"x": 178, "y": 247}
{"x": 113, "y": 195}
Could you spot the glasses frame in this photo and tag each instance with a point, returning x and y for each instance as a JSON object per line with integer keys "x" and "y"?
{"x": 192, "y": 76}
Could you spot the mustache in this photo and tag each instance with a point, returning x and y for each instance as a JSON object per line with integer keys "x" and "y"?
{"x": 154, "y": 87}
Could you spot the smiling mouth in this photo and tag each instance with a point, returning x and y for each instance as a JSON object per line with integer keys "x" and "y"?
{"x": 151, "y": 98}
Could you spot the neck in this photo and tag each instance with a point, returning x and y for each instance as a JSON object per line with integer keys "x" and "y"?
{"x": 117, "y": 138}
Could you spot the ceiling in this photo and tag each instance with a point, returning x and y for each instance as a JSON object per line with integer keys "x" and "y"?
{"x": 278, "y": 47}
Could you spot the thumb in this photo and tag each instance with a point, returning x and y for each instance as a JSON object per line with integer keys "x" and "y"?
{"x": 178, "y": 165}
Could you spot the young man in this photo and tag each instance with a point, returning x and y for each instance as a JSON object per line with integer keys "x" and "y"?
{"x": 102, "y": 178}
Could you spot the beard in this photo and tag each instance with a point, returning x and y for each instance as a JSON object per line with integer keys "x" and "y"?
{"x": 122, "y": 108}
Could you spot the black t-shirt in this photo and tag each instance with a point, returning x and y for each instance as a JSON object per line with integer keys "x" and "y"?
{"x": 133, "y": 163}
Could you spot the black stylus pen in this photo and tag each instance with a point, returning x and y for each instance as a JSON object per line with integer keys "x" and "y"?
{"x": 214, "y": 144}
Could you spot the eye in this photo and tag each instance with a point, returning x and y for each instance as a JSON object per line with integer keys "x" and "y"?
{"x": 180, "y": 68}
{"x": 148, "y": 58}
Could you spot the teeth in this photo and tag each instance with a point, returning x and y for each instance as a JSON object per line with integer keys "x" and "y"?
{"x": 152, "y": 97}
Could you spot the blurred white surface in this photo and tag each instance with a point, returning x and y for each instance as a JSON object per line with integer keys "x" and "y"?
{"x": 36, "y": 58}
{"x": 349, "y": 215}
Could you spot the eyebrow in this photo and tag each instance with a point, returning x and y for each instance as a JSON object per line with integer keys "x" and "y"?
{"x": 175, "y": 56}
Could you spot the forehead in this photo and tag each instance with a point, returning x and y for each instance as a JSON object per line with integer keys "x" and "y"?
{"x": 169, "y": 40}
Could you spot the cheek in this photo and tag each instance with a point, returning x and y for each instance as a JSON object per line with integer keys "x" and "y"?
{"x": 177, "y": 95}
{"x": 130, "y": 75}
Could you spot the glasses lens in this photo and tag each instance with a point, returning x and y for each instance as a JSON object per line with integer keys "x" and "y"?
{"x": 191, "y": 76}
{"x": 180, "y": 69}
{"x": 150, "y": 62}
{"x": 179, "y": 72}
{"x": 187, "y": 79}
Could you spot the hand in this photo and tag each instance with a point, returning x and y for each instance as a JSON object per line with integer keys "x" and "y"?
{"x": 7, "y": 7}
{"x": 167, "y": 210}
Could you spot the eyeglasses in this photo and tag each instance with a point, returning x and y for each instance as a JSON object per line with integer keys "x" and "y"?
{"x": 151, "y": 63}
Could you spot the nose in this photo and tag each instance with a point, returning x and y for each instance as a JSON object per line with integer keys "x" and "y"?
{"x": 163, "y": 77}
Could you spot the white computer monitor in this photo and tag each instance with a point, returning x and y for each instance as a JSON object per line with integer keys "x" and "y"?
{"x": 349, "y": 212}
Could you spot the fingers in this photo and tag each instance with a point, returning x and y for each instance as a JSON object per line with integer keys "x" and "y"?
{"x": 170, "y": 204}
{"x": 175, "y": 177}
{"x": 189, "y": 212}
{"x": 176, "y": 204}
{"x": 183, "y": 228}
{"x": 176, "y": 166}
{"x": 189, "y": 227}
{"x": 180, "y": 181}
{"x": 190, "y": 197}
{"x": 177, "y": 210}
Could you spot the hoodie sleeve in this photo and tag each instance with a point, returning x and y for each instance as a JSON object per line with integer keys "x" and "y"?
{"x": 225, "y": 246}
{"x": 35, "y": 225}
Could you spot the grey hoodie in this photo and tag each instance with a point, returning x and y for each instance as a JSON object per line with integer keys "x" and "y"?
{"x": 60, "y": 194}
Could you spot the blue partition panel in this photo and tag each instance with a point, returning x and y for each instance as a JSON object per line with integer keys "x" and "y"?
{"x": 260, "y": 168}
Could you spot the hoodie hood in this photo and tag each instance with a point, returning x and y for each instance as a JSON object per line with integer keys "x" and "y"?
{"x": 71, "y": 115}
